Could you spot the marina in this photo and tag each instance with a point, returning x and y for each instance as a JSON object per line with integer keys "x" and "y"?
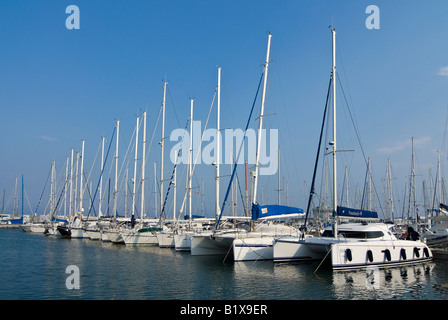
{"x": 211, "y": 162}
{"x": 118, "y": 272}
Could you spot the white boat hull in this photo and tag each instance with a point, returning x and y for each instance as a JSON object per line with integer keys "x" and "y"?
{"x": 165, "y": 239}
{"x": 93, "y": 234}
{"x": 357, "y": 255}
{"x": 182, "y": 242}
{"x": 113, "y": 236}
{"x": 204, "y": 245}
{"x": 346, "y": 255}
{"x": 292, "y": 249}
{"x": 78, "y": 233}
{"x": 253, "y": 248}
{"x": 135, "y": 238}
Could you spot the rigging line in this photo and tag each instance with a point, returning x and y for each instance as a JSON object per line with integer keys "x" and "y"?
{"x": 90, "y": 173}
{"x": 239, "y": 152}
{"x": 359, "y": 141}
{"x": 43, "y": 190}
{"x": 312, "y": 190}
{"x": 174, "y": 170}
{"x": 196, "y": 158}
{"x": 174, "y": 106}
{"x": 107, "y": 154}
{"x": 149, "y": 148}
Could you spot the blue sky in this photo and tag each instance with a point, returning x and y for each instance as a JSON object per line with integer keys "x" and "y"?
{"x": 59, "y": 86}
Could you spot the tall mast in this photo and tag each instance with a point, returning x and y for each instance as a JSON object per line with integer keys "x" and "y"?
{"x": 190, "y": 157}
{"x": 155, "y": 186}
{"x": 162, "y": 144}
{"x": 175, "y": 187}
{"x": 135, "y": 169}
{"x": 142, "y": 206}
{"x": 218, "y": 146}
{"x": 53, "y": 188}
{"x": 116, "y": 169}
{"x": 260, "y": 124}
{"x": 335, "y": 192}
{"x": 22, "y": 195}
{"x": 76, "y": 182}
{"x": 71, "y": 211}
{"x": 278, "y": 176}
{"x": 81, "y": 191}
{"x": 126, "y": 193}
{"x": 65, "y": 189}
{"x": 101, "y": 177}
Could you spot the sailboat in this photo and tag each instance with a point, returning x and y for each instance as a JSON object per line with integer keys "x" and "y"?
{"x": 220, "y": 241}
{"x": 138, "y": 234}
{"x": 351, "y": 245}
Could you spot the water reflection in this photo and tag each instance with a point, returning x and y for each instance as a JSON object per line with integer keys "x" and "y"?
{"x": 405, "y": 282}
{"x": 110, "y": 271}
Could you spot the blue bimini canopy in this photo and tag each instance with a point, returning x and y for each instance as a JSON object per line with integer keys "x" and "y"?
{"x": 352, "y": 213}
{"x": 16, "y": 221}
{"x": 259, "y": 212}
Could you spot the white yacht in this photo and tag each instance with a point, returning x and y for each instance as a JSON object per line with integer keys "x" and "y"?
{"x": 357, "y": 245}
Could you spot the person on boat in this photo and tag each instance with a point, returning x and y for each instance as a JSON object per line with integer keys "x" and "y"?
{"x": 412, "y": 234}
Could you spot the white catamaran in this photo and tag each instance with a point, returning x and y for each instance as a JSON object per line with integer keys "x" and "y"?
{"x": 351, "y": 245}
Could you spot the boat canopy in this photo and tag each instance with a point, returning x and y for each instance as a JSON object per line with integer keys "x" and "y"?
{"x": 16, "y": 221}
{"x": 259, "y": 212}
{"x": 352, "y": 213}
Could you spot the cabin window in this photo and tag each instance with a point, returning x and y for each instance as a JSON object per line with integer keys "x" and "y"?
{"x": 355, "y": 234}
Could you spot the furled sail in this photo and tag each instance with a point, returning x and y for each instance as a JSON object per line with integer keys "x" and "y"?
{"x": 259, "y": 212}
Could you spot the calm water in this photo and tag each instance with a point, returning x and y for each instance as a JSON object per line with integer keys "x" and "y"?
{"x": 33, "y": 266}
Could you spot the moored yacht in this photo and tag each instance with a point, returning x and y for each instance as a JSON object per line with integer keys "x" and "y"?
{"x": 357, "y": 245}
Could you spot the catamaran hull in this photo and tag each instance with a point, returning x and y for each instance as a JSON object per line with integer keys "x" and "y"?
{"x": 293, "y": 249}
{"x": 345, "y": 256}
{"x": 210, "y": 245}
{"x": 354, "y": 255}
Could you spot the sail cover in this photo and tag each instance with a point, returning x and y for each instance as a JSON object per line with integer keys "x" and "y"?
{"x": 356, "y": 213}
{"x": 259, "y": 212}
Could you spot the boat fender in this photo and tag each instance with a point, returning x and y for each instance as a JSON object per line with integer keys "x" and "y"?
{"x": 426, "y": 252}
{"x": 403, "y": 254}
{"x": 348, "y": 254}
{"x": 417, "y": 252}
{"x": 387, "y": 254}
{"x": 370, "y": 255}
